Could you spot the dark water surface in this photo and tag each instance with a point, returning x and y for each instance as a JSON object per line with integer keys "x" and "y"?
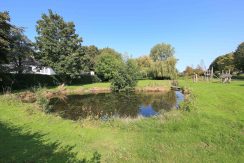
{"x": 105, "y": 105}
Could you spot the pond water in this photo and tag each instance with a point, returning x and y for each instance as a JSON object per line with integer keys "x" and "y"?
{"x": 106, "y": 105}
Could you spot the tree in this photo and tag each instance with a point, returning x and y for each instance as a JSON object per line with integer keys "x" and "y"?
{"x": 161, "y": 52}
{"x": 188, "y": 71}
{"x": 164, "y": 69}
{"x": 21, "y": 48}
{"x": 89, "y": 58}
{"x": 124, "y": 79}
{"x": 223, "y": 63}
{"x": 58, "y": 45}
{"x": 239, "y": 57}
{"x": 5, "y": 27}
{"x": 144, "y": 63}
{"x": 107, "y": 64}
{"x": 110, "y": 51}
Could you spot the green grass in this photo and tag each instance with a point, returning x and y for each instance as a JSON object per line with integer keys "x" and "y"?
{"x": 140, "y": 84}
{"x": 212, "y": 132}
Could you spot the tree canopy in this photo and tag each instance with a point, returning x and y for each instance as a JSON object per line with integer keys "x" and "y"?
{"x": 239, "y": 57}
{"x": 5, "y": 27}
{"x": 108, "y": 63}
{"x": 91, "y": 52}
{"x": 58, "y": 45}
{"x": 125, "y": 78}
{"x": 161, "y": 52}
{"x": 223, "y": 63}
{"x": 164, "y": 62}
{"x": 144, "y": 63}
{"x": 164, "y": 69}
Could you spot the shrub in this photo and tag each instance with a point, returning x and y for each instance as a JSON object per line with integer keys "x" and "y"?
{"x": 24, "y": 81}
{"x": 125, "y": 78}
{"x": 107, "y": 64}
{"x": 43, "y": 102}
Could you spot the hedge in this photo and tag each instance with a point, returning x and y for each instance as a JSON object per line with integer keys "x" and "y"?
{"x": 25, "y": 81}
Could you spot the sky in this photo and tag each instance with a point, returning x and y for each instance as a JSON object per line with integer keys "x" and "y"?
{"x": 198, "y": 30}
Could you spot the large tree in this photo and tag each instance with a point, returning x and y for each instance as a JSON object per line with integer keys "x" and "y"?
{"x": 161, "y": 52}
{"x": 223, "y": 63}
{"x": 108, "y": 63}
{"x": 125, "y": 78}
{"x": 91, "y": 52}
{"x": 144, "y": 63}
{"x": 58, "y": 45}
{"x": 164, "y": 61}
{"x": 21, "y": 49}
{"x": 164, "y": 69}
{"x": 239, "y": 57}
{"x": 5, "y": 27}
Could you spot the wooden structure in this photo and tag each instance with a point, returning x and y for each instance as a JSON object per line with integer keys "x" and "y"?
{"x": 208, "y": 75}
{"x": 195, "y": 78}
{"x": 225, "y": 77}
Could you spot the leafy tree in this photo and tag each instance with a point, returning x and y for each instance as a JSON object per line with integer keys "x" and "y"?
{"x": 189, "y": 71}
{"x": 21, "y": 48}
{"x": 5, "y": 27}
{"x": 164, "y": 69}
{"x": 239, "y": 57}
{"x": 110, "y": 51}
{"x": 144, "y": 63}
{"x": 89, "y": 58}
{"x": 161, "y": 52}
{"x": 58, "y": 45}
{"x": 125, "y": 77}
{"x": 107, "y": 64}
{"x": 223, "y": 63}
{"x": 199, "y": 70}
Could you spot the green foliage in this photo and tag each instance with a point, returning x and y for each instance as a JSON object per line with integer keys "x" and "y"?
{"x": 125, "y": 77}
{"x": 189, "y": 71}
{"x": 91, "y": 52}
{"x": 239, "y": 57}
{"x": 223, "y": 63}
{"x": 43, "y": 102}
{"x": 5, "y": 27}
{"x": 164, "y": 69}
{"x": 25, "y": 81}
{"x": 21, "y": 49}
{"x": 110, "y": 51}
{"x": 107, "y": 64}
{"x": 161, "y": 52}
{"x": 58, "y": 45}
{"x": 144, "y": 64}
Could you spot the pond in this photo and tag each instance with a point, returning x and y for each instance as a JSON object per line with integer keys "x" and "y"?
{"x": 106, "y": 105}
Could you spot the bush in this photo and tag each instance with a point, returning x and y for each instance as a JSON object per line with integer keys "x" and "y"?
{"x": 24, "y": 81}
{"x": 125, "y": 78}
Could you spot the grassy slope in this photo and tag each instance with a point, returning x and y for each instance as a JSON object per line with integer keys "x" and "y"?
{"x": 212, "y": 132}
{"x": 140, "y": 84}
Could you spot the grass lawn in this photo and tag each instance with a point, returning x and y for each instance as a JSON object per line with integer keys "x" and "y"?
{"x": 140, "y": 84}
{"x": 211, "y": 132}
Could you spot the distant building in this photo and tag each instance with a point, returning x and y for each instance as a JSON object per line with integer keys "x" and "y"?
{"x": 30, "y": 66}
{"x": 40, "y": 70}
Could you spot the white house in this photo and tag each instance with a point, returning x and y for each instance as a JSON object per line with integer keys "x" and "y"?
{"x": 41, "y": 70}
{"x": 30, "y": 66}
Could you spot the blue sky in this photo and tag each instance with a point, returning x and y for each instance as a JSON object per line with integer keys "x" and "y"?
{"x": 199, "y": 30}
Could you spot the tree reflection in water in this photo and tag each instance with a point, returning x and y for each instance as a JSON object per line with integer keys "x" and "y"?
{"x": 115, "y": 104}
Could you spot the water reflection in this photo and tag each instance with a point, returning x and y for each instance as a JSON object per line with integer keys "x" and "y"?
{"x": 105, "y": 105}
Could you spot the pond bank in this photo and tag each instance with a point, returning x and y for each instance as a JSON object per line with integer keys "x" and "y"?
{"x": 212, "y": 133}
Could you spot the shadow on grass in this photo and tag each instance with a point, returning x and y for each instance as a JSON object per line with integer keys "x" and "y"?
{"x": 16, "y": 147}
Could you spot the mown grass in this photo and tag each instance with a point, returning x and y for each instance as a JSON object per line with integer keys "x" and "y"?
{"x": 211, "y": 132}
{"x": 140, "y": 84}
